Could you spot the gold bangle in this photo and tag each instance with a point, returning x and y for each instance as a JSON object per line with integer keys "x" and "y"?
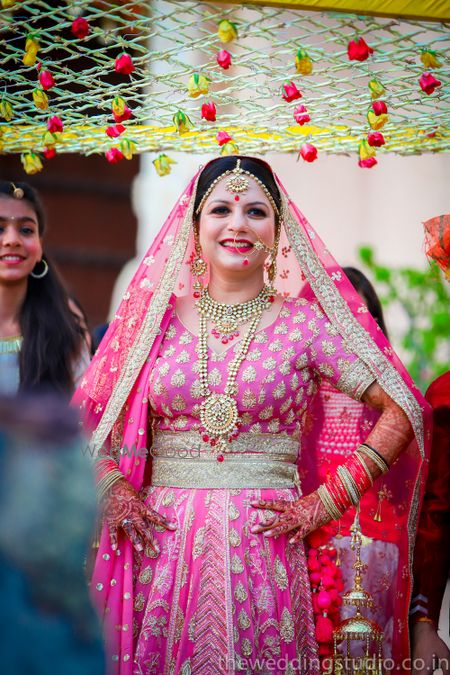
{"x": 349, "y": 485}
{"x": 107, "y": 482}
{"x": 423, "y": 619}
{"x": 375, "y": 457}
{"x": 328, "y": 502}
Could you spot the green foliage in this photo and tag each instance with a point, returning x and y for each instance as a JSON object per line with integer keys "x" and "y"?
{"x": 422, "y": 297}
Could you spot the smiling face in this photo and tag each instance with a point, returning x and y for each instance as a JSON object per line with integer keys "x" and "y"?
{"x": 20, "y": 243}
{"x": 229, "y": 230}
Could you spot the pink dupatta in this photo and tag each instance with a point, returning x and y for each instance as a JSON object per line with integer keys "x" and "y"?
{"x": 113, "y": 394}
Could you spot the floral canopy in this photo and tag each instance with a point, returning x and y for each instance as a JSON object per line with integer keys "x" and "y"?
{"x": 126, "y": 77}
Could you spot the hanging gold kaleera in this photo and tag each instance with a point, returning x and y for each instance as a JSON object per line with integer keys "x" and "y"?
{"x": 358, "y": 628}
{"x": 383, "y": 494}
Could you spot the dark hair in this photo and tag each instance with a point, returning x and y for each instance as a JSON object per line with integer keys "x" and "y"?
{"x": 52, "y": 335}
{"x": 363, "y": 286}
{"x": 218, "y": 166}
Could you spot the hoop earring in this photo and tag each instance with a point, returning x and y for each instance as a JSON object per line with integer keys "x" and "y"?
{"x": 42, "y": 274}
{"x": 198, "y": 266}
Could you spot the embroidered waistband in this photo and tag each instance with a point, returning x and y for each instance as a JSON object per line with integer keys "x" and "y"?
{"x": 184, "y": 460}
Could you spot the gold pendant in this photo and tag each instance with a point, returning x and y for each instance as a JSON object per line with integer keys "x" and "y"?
{"x": 219, "y": 414}
{"x": 226, "y": 326}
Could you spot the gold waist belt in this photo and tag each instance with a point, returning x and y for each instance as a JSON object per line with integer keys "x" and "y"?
{"x": 182, "y": 459}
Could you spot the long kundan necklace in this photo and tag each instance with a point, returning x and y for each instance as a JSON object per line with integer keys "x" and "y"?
{"x": 219, "y": 413}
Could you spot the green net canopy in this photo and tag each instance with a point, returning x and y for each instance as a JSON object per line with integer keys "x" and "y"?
{"x": 295, "y": 77}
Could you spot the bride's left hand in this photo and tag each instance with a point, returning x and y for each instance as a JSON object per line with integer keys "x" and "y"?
{"x": 303, "y": 515}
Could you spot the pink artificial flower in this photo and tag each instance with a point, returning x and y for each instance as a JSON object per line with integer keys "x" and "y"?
{"x": 115, "y": 131}
{"x": 379, "y": 108}
{"x": 375, "y": 139}
{"x": 291, "y": 93}
{"x": 308, "y": 152}
{"x": 125, "y": 115}
{"x": 428, "y": 83}
{"x": 301, "y": 115}
{"x": 222, "y": 138}
{"x": 80, "y": 28}
{"x": 49, "y": 152}
{"x": 113, "y": 155}
{"x": 224, "y": 59}
{"x": 367, "y": 163}
{"x": 124, "y": 64}
{"x": 209, "y": 112}
{"x": 46, "y": 80}
{"x": 358, "y": 51}
{"x": 55, "y": 124}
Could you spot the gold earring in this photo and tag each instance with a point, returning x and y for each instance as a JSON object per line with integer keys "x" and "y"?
{"x": 272, "y": 268}
{"x": 198, "y": 267}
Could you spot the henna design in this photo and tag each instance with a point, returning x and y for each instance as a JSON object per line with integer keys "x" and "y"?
{"x": 303, "y": 515}
{"x": 393, "y": 431}
{"x": 122, "y": 508}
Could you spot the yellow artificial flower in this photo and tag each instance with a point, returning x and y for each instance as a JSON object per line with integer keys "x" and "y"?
{"x": 227, "y": 31}
{"x": 182, "y": 122}
{"x": 229, "y": 148}
{"x": 31, "y": 163}
{"x": 197, "y": 85}
{"x": 118, "y": 105}
{"x": 366, "y": 151}
{"x": 49, "y": 139}
{"x": 162, "y": 165}
{"x": 429, "y": 60}
{"x": 6, "y": 4}
{"x": 376, "y": 88}
{"x": 31, "y": 50}
{"x": 6, "y": 110}
{"x": 127, "y": 148}
{"x": 303, "y": 63}
{"x": 377, "y": 121}
{"x": 40, "y": 99}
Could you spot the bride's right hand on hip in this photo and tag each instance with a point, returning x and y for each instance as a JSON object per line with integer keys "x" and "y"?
{"x": 123, "y": 508}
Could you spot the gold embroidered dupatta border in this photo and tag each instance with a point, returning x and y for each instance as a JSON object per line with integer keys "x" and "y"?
{"x": 341, "y": 316}
{"x": 147, "y": 333}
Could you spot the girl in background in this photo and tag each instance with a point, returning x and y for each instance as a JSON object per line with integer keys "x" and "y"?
{"x": 42, "y": 344}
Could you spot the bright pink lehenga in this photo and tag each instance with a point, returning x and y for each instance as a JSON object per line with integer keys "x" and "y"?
{"x": 219, "y": 598}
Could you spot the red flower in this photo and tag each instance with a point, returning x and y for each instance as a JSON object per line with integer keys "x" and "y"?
{"x": 209, "y": 112}
{"x": 367, "y": 163}
{"x": 291, "y": 93}
{"x": 115, "y": 131}
{"x": 222, "y": 138}
{"x": 224, "y": 59}
{"x": 46, "y": 79}
{"x": 49, "y": 153}
{"x": 114, "y": 155}
{"x": 375, "y": 139}
{"x": 379, "y": 108}
{"x": 124, "y": 64}
{"x": 358, "y": 51}
{"x": 308, "y": 152}
{"x": 428, "y": 83}
{"x": 55, "y": 125}
{"x": 300, "y": 115}
{"x": 127, "y": 113}
{"x": 80, "y": 28}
